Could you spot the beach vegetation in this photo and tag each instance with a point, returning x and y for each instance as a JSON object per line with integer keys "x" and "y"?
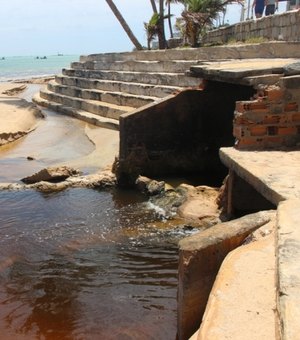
{"x": 198, "y": 16}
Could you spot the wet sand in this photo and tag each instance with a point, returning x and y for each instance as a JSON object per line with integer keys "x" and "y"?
{"x": 17, "y": 116}
{"x": 51, "y": 141}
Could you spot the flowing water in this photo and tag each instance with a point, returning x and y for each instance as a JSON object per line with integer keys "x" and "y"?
{"x": 85, "y": 264}
{"x": 81, "y": 263}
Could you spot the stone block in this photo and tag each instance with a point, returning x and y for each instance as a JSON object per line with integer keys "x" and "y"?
{"x": 200, "y": 257}
{"x": 293, "y": 18}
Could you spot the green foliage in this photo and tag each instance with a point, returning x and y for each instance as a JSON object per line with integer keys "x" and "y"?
{"x": 198, "y": 16}
{"x": 152, "y": 28}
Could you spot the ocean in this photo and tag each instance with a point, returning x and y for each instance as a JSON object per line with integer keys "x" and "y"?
{"x": 12, "y": 68}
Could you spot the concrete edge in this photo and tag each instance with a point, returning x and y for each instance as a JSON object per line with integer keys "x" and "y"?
{"x": 200, "y": 257}
{"x": 261, "y": 187}
{"x": 288, "y": 268}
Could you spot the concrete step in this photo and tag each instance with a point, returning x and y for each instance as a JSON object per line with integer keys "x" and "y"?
{"x": 274, "y": 49}
{"x": 117, "y": 98}
{"x": 153, "y": 55}
{"x": 154, "y": 78}
{"x": 85, "y": 116}
{"x": 158, "y": 91}
{"x": 173, "y": 66}
{"x": 99, "y": 108}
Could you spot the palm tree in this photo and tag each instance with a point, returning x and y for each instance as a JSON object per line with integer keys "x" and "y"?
{"x": 169, "y": 15}
{"x": 152, "y": 28}
{"x": 168, "y": 3}
{"x": 156, "y": 27}
{"x": 123, "y": 23}
{"x": 198, "y": 15}
{"x": 153, "y": 4}
{"x": 161, "y": 32}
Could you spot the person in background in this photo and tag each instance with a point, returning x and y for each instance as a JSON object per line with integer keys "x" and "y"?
{"x": 258, "y": 6}
{"x": 271, "y": 7}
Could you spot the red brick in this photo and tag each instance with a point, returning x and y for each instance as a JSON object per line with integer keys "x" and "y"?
{"x": 274, "y": 119}
{"x": 276, "y": 109}
{"x": 259, "y": 111}
{"x": 291, "y": 107}
{"x": 246, "y": 106}
{"x": 296, "y": 117}
{"x": 256, "y": 105}
{"x": 240, "y": 118}
{"x": 273, "y": 140}
{"x": 274, "y": 94}
{"x": 287, "y": 130}
{"x": 258, "y": 130}
{"x": 246, "y": 143}
{"x": 238, "y": 132}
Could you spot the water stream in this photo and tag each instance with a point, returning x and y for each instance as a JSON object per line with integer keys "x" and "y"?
{"x": 85, "y": 264}
{"x": 81, "y": 263}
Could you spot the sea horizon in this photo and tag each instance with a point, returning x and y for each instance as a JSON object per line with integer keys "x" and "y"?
{"x": 26, "y": 67}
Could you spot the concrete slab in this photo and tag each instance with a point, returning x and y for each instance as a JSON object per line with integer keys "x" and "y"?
{"x": 243, "y": 298}
{"x": 289, "y": 268}
{"x": 274, "y": 174}
{"x": 200, "y": 258}
{"x": 238, "y": 70}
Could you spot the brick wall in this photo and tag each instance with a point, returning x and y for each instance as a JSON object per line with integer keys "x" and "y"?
{"x": 271, "y": 119}
{"x": 285, "y": 26}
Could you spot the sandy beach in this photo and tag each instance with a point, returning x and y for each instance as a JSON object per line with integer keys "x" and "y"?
{"x": 50, "y": 139}
{"x": 18, "y": 117}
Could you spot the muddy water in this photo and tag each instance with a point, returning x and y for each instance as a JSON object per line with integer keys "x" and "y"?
{"x": 80, "y": 264}
{"x": 84, "y": 264}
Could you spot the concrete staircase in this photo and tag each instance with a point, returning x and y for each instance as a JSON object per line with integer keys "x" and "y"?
{"x": 101, "y": 87}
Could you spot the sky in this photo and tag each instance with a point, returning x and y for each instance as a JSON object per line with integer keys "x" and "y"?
{"x": 48, "y": 27}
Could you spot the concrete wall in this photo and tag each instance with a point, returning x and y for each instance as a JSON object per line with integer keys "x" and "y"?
{"x": 200, "y": 257}
{"x": 181, "y": 134}
{"x": 284, "y": 26}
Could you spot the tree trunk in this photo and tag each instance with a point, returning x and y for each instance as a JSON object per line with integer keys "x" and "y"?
{"x": 161, "y": 32}
{"x": 123, "y": 23}
{"x": 153, "y": 4}
{"x": 169, "y": 19}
